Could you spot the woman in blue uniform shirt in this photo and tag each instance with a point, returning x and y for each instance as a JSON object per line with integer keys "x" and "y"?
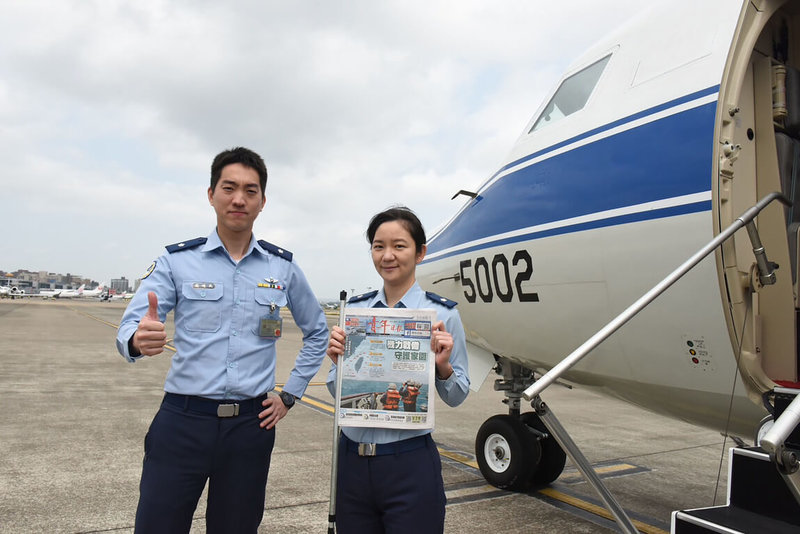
{"x": 394, "y": 483}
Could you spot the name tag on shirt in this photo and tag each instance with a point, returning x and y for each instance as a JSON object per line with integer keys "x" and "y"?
{"x": 270, "y": 325}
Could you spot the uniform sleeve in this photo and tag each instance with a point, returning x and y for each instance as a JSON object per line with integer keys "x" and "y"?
{"x": 159, "y": 281}
{"x": 331, "y": 381}
{"x": 454, "y": 390}
{"x": 308, "y": 315}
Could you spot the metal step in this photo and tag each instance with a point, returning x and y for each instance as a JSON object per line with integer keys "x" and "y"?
{"x": 727, "y": 520}
{"x": 758, "y": 501}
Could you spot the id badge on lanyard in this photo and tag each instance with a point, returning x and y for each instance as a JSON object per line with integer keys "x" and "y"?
{"x": 271, "y": 324}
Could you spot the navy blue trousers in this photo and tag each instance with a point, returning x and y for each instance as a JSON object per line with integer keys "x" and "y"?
{"x": 398, "y": 493}
{"x": 184, "y": 449}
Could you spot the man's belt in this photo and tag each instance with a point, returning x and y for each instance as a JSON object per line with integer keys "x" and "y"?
{"x": 220, "y": 408}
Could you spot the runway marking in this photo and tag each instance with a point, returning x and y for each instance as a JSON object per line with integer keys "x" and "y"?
{"x": 605, "y": 471}
{"x": 311, "y": 402}
{"x": 460, "y": 458}
{"x": 112, "y": 325}
{"x": 558, "y": 497}
{"x": 478, "y": 490}
{"x": 595, "y": 509}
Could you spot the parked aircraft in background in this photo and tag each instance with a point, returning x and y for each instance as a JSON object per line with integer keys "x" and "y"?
{"x": 11, "y": 291}
{"x": 121, "y": 296}
{"x": 650, "y": 145}
{"x": 96, "y": 292}
{"x": 71, "y": 293}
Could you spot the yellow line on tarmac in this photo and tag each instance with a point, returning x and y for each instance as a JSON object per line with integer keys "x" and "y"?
{"x": 321, "y": 405}
{"x": 112, "y": 325}
{"x": 597, "y": 510}
{"x": 568, "y": 499}
{"x": 90, "y": 316}
{"x": 466, "y": 460}
{"x": 603, "y": 470}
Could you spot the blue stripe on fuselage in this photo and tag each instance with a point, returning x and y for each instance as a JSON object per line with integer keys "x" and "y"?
{"x": 620, "y": 122}
{"x": 672, "y": 211}
{"x": 666, "y": 158}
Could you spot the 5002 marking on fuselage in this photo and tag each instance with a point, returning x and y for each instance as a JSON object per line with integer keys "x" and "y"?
{"x": 496, "y": 279}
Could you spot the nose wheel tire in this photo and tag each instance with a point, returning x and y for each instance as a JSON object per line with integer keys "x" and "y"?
{"x": 553, "y": 456}
{"x": 508, "y": 453}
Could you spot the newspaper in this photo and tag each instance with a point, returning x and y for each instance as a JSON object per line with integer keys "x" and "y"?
{"x": 387, "y": 369}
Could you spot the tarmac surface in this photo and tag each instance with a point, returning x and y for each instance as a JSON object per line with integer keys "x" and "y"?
{"x": 74, "y": 415}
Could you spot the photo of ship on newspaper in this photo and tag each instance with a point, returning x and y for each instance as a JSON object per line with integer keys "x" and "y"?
{"x": 387, "y": 369}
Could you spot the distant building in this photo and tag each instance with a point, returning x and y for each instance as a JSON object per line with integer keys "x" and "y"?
{"x": 34, "y": 281}
{"x": 120, "y": 285}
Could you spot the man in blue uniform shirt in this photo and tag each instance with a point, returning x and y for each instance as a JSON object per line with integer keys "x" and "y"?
{"x": 217, "y": 421}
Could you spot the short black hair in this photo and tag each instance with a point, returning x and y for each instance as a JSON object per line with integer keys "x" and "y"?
{"x": 406, "y": 217}
{"x": 243, "y": 156}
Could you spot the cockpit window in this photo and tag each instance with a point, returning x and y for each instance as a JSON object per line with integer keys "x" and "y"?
{"x": 572, "y": 95}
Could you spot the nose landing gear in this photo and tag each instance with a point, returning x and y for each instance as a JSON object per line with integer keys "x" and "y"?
{"x": 515, "y": 451}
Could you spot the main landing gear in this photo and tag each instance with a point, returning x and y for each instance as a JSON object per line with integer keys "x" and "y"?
{"x": 515, "y": 451}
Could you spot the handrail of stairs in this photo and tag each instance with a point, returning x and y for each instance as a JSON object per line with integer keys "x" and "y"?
{"x": 746, "y": 219}
{"x": 774, "y": 443}
{"x": 532, "y": 393}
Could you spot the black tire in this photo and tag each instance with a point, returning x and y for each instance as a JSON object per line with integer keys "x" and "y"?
{"x": 553, "y": 458}
{"x": 507, "y": 452}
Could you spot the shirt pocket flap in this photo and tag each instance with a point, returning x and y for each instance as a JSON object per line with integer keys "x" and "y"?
{"x": 202, "y": 291}
{"x": 266, "y": 296}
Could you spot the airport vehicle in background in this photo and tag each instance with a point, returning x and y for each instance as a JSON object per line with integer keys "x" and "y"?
{"x": 648, "y": 149}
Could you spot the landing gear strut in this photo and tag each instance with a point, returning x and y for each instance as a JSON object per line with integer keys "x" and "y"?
{"x": 515, "y": 451}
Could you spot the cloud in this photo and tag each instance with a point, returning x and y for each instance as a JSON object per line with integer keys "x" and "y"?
{"x": 110, "y": 114}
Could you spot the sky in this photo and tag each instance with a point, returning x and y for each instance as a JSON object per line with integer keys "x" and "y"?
{"x": 111, "y": 113}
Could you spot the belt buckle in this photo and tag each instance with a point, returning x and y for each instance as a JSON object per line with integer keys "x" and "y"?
{"x": 367, "y": 449}
{"x": 228, "y": 410}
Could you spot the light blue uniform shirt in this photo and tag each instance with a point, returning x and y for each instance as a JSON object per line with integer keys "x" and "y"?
{"x": 218, "y": 307}
{"x": 453, "y": 391}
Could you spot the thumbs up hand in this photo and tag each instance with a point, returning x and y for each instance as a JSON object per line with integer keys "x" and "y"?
{"x": 151, "y": 336}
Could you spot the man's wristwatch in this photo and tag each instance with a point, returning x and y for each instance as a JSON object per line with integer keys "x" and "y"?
{"x": 287, "y": 398}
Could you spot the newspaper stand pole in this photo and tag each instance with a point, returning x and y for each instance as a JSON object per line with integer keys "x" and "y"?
{"x": 335, "y": 452}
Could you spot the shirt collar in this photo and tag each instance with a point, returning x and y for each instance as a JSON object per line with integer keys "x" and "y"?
{"x": 213, "y": 242}
{"x": 379, "y": 301}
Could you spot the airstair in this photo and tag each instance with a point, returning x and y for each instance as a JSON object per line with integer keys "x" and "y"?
{"x": 764, "y": 482}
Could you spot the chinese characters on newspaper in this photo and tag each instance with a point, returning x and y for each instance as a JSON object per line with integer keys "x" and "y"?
{"x": 387, "y": 369}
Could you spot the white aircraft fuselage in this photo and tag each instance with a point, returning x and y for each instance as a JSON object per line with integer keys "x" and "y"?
{"x": 70, "y": 293}
{"x": 653, "y": 142}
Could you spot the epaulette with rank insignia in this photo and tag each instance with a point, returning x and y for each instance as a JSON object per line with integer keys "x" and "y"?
{"x": 363, "y": 296}
{"x": 447, "y": 303}
{"x": 278, "y": 251}
{"x": 184, "y": 245}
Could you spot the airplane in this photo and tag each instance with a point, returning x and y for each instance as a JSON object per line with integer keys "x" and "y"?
{"x": 653, "y": 144}
{"x": 11, "y": 291}
{"x": 70, "y": 293}
{"x": 96, "y": 292}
